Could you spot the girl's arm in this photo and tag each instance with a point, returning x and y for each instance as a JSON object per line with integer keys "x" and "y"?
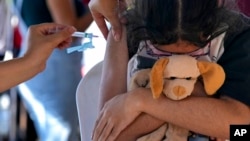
{"x": 208, "y": 116}
{"x": 114, "y": 73}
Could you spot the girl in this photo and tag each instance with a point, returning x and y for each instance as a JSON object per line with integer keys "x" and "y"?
{"x": 205, "y": 29}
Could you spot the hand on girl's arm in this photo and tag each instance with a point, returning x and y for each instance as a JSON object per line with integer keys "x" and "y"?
{"x": 40, "y": 43}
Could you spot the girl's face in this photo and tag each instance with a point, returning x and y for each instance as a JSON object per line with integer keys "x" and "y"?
{"x": 181, "y": 47}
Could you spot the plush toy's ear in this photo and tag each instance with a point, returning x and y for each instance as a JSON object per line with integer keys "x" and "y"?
{"x": 213, "y": 76}
{"x": 156, "y": 77}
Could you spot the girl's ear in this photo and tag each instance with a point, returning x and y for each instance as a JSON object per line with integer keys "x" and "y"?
{"x": 213, "y": 76}
{"x": 156, "y": 76}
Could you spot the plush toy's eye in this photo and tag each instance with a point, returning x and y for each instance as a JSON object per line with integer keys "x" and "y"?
{"x": 172, "y": 78}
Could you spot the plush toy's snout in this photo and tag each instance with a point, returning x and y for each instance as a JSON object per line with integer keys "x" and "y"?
{"x": 179, "y": 91}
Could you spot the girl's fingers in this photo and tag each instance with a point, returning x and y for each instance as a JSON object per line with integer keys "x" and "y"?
{"x": 106, "y": 132}
{"x": 99, "y": 125}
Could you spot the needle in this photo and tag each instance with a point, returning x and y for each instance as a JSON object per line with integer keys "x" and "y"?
{"x": 83, "y": 35}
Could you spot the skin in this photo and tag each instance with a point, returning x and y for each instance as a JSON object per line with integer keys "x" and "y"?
{"x": 129, "y": 115}
{"x": 63, "y": 12}
{"x": 107, "y": 9}
{"x": 40, "y": 46}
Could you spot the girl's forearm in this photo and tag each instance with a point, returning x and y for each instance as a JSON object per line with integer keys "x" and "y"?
{"x": 208, "y": 116}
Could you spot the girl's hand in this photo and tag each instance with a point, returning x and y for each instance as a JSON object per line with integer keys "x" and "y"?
{"x": 115, "y": 116}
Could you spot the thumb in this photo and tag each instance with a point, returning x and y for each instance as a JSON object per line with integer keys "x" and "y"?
{"x": 62, "y": 35}
{"x": 116, "y": 30}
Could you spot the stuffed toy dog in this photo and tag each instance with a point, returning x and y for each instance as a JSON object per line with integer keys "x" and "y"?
{"x": 175, "y": 77}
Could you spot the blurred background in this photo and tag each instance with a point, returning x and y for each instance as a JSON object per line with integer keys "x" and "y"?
{"x": 15, "y": 121}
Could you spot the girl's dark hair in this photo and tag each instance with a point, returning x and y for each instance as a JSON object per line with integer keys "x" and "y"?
{"x": 167, "y": 21}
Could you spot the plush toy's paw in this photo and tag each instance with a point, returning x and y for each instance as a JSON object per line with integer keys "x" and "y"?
{"x": 176, "y": 133}
{"x": 140, "y": 79}
{"x": 156, "y": 135}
